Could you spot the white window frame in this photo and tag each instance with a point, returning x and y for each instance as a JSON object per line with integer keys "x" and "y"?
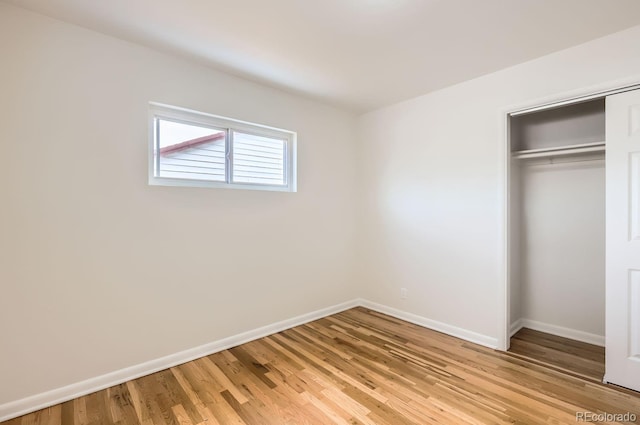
{"x": 188, "y": 116}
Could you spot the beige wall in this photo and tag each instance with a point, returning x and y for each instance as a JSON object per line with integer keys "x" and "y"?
{"x": 99, "y": 270}
{"x": 433, "y": 198}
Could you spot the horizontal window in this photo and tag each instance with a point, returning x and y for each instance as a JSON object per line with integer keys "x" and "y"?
{"x": 189, "y": 148}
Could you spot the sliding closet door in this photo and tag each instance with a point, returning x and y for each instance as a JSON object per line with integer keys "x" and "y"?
{"x": 623, "y": 240}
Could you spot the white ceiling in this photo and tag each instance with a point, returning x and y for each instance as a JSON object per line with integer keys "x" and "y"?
{"x": 360, "y": 54}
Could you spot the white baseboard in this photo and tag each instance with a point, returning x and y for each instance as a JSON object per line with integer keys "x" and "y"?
{"x": 60, "y": 395}
{"x": 515, "y": 327}
{"x": 589, "y": 338}
{"x": 461, "y": 333}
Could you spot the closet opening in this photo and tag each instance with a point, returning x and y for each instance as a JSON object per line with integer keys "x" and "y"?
{"x": 557, "y": 236}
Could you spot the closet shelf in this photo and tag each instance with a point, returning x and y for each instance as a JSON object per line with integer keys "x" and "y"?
{"x": 561, "y": 150}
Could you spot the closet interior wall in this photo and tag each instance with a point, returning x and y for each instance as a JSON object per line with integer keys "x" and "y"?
{"x": 557, "y": 222}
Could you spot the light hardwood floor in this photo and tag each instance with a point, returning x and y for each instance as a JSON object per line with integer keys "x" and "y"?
{"x": 356, "y": 367}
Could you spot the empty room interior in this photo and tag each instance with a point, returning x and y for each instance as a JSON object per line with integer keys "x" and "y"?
{"x": 297, "y": 212}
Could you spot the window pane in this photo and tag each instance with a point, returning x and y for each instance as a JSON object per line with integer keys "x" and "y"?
{"x": 258, "y": 159}
{"x": 189, "y": 151}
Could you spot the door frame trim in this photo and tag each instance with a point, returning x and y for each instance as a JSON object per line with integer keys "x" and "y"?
{"x": 548, "y": 102}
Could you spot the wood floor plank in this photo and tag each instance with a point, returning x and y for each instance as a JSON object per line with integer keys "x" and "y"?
{"x": 208, "y": 401}
{"x": 220, "y": 412}
{"x": 360, "y": 367}
{"x": 181, "y": 415}
{"x": 221, "y": 381}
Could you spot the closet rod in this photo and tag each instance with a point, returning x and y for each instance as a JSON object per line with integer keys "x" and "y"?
{"x": 557, "y": 151}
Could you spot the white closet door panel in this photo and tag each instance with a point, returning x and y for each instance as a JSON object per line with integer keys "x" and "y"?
{"x": 623, "y": 240}
{"x": 634, "y": 315}
{"x": 634, "y": 182}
